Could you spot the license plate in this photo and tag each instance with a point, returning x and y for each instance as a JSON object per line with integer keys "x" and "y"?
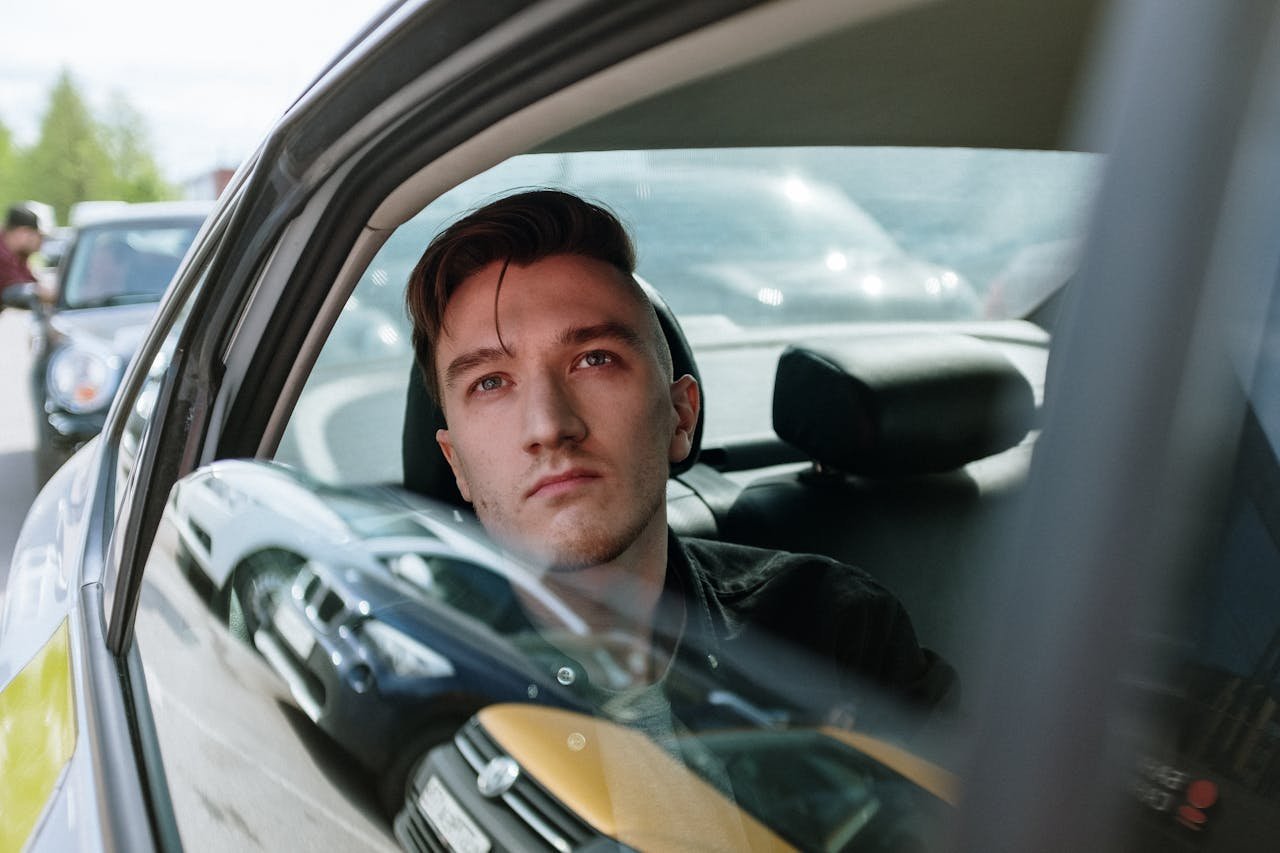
{"x": 295, "y": 630}
{"x": 455, "y": 828}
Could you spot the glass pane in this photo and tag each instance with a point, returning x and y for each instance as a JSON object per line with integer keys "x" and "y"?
{"x": 753, "y": 249}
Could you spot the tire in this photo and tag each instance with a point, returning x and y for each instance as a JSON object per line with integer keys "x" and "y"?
{"x": 395, "y": 781}
{"x": 255, "y": 586}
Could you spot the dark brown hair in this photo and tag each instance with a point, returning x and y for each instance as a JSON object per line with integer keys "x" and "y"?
{"x": 519, "y": 229}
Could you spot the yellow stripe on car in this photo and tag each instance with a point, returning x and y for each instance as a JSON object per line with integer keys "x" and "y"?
{"x": 622, "y": 784}
{"x": 37, "y": 737}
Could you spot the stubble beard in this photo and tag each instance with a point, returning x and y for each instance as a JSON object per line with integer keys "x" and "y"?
{"x": 581, "y": 547}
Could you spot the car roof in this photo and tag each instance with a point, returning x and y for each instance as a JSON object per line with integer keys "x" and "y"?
{"x": 998, "y": 74}
{"x": 148, "y": 210}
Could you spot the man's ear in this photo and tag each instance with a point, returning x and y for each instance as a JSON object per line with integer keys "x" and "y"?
{"x": 687, "y": 400}
{"x": 450, "y": 456}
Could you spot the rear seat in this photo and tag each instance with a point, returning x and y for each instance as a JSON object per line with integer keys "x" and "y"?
{"x": 917, "y": 445}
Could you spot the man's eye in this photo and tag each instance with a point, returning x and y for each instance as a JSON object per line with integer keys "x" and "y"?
{"x": 488, "y": 383}
{"x": 595, "y": 358}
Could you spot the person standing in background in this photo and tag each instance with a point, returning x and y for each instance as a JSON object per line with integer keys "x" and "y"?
{"x": 20, "y": 239}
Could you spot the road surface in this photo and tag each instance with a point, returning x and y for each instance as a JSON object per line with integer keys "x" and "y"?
{"x": 17, "y": 432}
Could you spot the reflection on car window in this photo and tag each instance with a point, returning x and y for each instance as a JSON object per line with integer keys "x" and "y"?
{"x": 127, "y": 262}
{"x": 388, "y": 639}
{"x": 423, "y": 685}
{"x": 752, "y": 249}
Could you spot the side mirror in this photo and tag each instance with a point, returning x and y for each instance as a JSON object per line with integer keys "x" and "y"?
{"x": 23, "y": 296}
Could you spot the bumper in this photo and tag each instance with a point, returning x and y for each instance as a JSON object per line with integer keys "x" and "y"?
{"x": 68, "y": 432}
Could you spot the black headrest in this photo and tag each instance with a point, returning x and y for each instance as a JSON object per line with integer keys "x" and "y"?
{"x": 427, "y": 473}
{"x": 898, "y": 405}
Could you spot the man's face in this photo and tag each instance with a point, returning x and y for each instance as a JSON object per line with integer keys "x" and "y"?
{"x": 27, "y": 241}
{"x": 561, "y": 439}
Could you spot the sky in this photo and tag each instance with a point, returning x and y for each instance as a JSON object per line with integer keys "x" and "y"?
{"x": 209, "y": 79}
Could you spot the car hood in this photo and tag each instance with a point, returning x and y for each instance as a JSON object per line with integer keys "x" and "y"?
{"x": 625, "y": 786}
{"x": 621, "y": 783}
{"x": 118, "y": 328}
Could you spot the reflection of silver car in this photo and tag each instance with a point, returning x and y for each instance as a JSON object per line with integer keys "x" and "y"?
{"x": 229, "y": 514}
{"x": 384, "y": 614}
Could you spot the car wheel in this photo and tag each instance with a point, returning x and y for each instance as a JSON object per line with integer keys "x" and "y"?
{"x": 395, "y": 783}
{"x": 256, "y": 585}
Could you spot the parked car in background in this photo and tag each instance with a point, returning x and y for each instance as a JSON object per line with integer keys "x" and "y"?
{"x": 109, "y": 283}
{"x": 54, "y": 248}
{"x": 1083, "y": 520}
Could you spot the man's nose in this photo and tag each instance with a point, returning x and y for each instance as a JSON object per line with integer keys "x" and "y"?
{"x": 551, "y": 415}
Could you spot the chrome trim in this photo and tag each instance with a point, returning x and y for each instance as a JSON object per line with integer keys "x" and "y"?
{"x": 284, "y": 666}
{"x": 522, "y": 809}
{"x": 469, "y": 752}
{"x": 536, "y": 823}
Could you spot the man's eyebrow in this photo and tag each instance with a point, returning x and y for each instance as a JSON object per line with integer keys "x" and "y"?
{"x": 578, "y": 335}
{"x": 572, "y": 336}
{"x": 470, "y": 360}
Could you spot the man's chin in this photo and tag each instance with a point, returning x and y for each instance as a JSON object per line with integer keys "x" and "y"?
{"x": 573, "y": 553}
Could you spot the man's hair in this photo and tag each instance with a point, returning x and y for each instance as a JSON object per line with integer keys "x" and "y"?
{"x": 519, "y": 229}
{"x": 21, "y": 217}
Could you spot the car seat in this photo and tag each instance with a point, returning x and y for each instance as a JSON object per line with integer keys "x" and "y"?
{"x": 916, "y": 442}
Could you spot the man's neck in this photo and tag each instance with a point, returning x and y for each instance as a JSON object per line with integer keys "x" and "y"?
{"x": 617, "y": 601}
{"x": 623, "y": 593}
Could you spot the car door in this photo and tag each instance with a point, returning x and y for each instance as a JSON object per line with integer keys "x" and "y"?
{"x": 225, "y": 756}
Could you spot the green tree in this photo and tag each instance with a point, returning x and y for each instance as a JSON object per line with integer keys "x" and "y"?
{"x": 10, "y": 178}
{"x": 69, "y": 162}
{"x": 135, "y": 173}
{"x": 79, "y": 158}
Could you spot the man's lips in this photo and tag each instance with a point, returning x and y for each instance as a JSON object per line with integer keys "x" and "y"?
{"x": 564, "y": 481}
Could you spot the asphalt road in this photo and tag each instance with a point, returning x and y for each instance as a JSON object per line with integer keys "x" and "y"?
{"x": 17, "y": 432}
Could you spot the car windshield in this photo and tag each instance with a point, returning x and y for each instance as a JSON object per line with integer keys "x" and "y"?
{"x": 125, "y": 262}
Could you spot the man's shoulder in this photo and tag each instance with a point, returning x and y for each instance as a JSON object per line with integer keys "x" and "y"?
{"x": 12, "y": 269}
{"x": 734, "y": 569}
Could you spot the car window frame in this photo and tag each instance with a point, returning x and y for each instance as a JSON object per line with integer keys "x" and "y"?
{"x": 1168, "y": 222}
{"x": 121, "y": 501}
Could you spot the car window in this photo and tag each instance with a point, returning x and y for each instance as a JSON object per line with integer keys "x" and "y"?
{"x": 364, "y": 624}
{"x": 752, "y": 249}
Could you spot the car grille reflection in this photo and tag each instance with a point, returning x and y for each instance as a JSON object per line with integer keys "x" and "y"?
{"x": 537, "y": 809}
{"x": 323, "y": 604}
{"x": 330, "y": 606}
{"x": 413, "y": 832}
{"x": 529, "y": 803}
{"x": 202, "y": 536}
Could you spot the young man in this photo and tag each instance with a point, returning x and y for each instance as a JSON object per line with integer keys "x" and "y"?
{"x": 20, "y": 239}
{"x": 563, "y": 418}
